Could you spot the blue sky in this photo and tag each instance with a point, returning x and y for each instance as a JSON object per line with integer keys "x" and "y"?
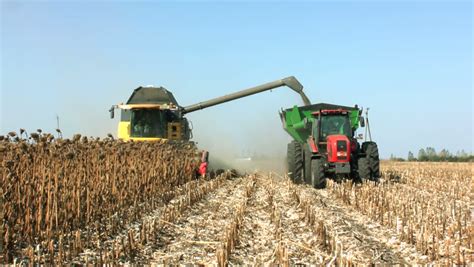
{"x": 410, "y": 62}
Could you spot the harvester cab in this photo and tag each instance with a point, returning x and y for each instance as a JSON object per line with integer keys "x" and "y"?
{"x": 153, "y": 114}
{"x": 325, "y": 144}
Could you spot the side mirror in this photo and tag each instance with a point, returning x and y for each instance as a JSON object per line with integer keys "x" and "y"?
{"x": 362, "y": 121}
{"x": 112, "y": 113}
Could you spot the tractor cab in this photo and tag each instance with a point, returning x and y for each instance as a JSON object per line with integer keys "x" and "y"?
{"x": 332, "y": 122}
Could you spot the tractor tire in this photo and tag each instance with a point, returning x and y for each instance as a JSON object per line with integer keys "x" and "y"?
{"x": 295, "y": 162}
{"x": 363, "y": 169}
{"x": 307, "y": 164}
{"x": 318, "y": 179}
{"x": 372, "y": 152}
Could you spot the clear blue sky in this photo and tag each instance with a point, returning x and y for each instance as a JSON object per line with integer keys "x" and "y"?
{"x": 410, "y": 62}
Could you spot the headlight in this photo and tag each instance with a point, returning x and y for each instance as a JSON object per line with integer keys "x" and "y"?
{"x": 342, "y": 154}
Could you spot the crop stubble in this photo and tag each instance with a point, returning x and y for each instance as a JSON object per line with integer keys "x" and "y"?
{"x": 103, "y": 201}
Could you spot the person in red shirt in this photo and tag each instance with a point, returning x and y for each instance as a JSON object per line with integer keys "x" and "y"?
{"x": 204, "y": 162}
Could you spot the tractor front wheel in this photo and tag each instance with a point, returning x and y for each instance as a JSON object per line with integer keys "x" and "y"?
{"x": 318, "y": 180}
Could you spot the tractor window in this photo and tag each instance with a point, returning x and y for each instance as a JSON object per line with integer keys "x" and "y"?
{"x": 148, "y": 123}
{"x": 335, "y": 124}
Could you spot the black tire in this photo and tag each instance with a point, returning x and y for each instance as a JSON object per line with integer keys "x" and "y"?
{"x": 290, "y": 161}
{"x": 363, "y": 169}
{"x": 295, "y": 161}
{"x": 372, "y": 152}
{"x": 307, "y": 164}
{"x": 318, "y": 179}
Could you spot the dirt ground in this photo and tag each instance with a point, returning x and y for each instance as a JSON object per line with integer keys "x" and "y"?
{"x": 283, "y": 223}
{"x": 263, "y": 218}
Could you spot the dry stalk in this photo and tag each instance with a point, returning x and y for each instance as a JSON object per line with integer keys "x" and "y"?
{"x": 428, "y": 204}
{"x": 231, "y": 234}
{"x": 57, "y": 192}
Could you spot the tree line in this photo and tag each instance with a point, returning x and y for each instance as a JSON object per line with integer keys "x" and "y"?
{"x": 430, "y": 154}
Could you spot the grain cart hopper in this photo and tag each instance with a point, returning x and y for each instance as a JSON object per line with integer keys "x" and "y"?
{"x": 152, "y": 113}
{"x": 324, "y": 144}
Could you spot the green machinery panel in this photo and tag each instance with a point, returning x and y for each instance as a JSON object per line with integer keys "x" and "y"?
{"x": 297, "y": 121}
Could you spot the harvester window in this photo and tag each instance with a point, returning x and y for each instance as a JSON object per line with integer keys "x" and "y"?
{"x": 335, "y": 124}
{"x": 147, "y": 123}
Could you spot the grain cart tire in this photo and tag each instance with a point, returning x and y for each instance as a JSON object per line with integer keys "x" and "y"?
{"x": 307, "y": 164}
{"x": 318, "y": 180}
{"x": 290, "y": 161}
{"x": 363, "y": 169}
{"x": 295, "y": 161}
{"x": 372, "y": 152}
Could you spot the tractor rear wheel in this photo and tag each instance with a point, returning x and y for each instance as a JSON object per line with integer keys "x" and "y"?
{"x": 363, "y": 169}
{"x": 295, "y": 161}
{"x": 372, "y": 152}
{"x": 318, "y": 180}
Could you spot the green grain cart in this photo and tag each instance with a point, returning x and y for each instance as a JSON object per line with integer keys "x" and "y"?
{"x": 325, "y": 145}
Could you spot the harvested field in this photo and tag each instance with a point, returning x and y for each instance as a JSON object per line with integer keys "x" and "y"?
{"x": 103, "y": 201}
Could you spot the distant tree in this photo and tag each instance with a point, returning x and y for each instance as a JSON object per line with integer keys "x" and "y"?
{"x": 444, "y": 155}
{"x": 395, "y": 158}
{"x": 431, "y": 154}
{"x": 411, "y": 157}
{"x": 462, "y": 154}
{"x": 422, "y": 156}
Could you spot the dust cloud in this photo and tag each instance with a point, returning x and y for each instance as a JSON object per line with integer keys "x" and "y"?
{"x": 252, "y": 145}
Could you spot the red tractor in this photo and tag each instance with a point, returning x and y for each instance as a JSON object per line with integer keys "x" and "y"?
{"x": 325, "y": 145}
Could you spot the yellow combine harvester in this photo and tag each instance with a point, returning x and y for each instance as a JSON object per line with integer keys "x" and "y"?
{"x": 153, "y": 114}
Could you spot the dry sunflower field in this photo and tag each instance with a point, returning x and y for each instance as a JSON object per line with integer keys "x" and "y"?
{"x": 101, "y": 201}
